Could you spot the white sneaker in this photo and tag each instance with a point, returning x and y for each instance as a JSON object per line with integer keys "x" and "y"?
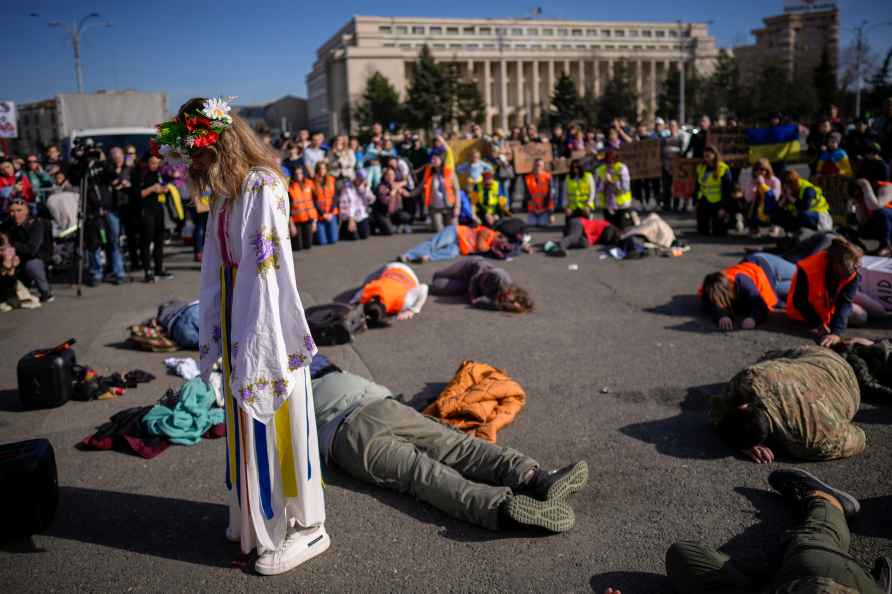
{"x": 299, "y": 546}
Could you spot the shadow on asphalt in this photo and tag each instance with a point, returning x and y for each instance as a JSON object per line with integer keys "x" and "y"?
{"x": 872, "y": 415}
{"x": 9, "y": 401}
{"x": 686, "y": 435}
{"x": 425, "y": 396}
{"x": 179, "y": 529}
{"x": 631, "y": 581}
{"x": 758, "y": 549}
{"x": 874, "y": 519}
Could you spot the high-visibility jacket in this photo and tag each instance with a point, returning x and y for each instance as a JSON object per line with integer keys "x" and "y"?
{"x": 815, "y": 270}
{"x": 303, "y": 209}
{"x": 486, "y": 197}
{"x": 475, "y": 240}
{"x": 391, "y": 287}
{"x": 448, "y": 182}
{"x": 711, "y": 182}
{"x": 579, "y": 192}
{"x": 616, "y": 170}
{"x": 539, "y": 189}
{"x": 759, "y": 278}
{"x": 819, "y": 203}
{"x": 324, "y": 196}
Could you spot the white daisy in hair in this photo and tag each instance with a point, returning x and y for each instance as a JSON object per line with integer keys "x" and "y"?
{"x": 218, "y": 108}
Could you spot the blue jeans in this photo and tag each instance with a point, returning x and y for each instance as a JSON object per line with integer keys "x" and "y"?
{"x": 779, "y": 271}
{"x": 200, "y": 220}
{"x": 112, "y": 250}
{"x": 538, "y": 220}
{"x": 327, "y": 231}
{"x": 184, "y": 330}
{"x": 442, "y": 246}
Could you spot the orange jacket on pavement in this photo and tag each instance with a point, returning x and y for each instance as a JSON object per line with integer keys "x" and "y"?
{"x": 391, "y": 287}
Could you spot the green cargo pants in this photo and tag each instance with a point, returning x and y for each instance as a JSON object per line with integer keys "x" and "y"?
{"x": 817, "y": 548}
{"x": 392, "y": 445}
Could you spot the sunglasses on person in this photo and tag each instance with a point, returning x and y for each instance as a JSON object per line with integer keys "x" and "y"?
{"x": 17, "y": 202}
{"x": 131, "y": 152}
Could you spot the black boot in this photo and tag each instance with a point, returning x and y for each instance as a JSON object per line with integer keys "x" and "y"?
{"x": 558, "y": 484}
{"x": 794, "y": 484}
{"x": 882, "y": 573}
{"x": 520, "y": 510}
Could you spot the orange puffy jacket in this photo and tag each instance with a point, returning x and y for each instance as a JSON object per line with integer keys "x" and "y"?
{"x": 480, "y": 400}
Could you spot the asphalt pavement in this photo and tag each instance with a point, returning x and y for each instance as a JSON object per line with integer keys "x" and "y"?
{"x": 617, "y": 362}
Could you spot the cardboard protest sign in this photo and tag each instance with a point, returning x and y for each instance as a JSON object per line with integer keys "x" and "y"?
{"x": 8, "y": 120}
{"x": 462, "y": 149}
{"x": 560, "y": 166}
{"x": 731, "y": 144}
{"x": 525, "y": 154}
{"x": 684, "y": 172}
{"x": 876, "y": 280}
{"x": 643, "y": 158}
{"x": 836, "y": 191}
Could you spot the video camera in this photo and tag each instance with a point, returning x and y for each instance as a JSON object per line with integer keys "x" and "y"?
{"x": 86, "y": 148}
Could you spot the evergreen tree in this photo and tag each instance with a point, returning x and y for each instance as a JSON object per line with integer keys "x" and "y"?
{"x": 380, "y": 103}
{"x": 880, "y": 85}
{"x": 619, "y": 98}
{"x": 589, "y": 109}
{"x": 564, "y": 103}
{"x": 424, "y": 98}
{"x": 470, "y": 106}
{"x": 825, "y": 81}
{"x": 721, "y": 91}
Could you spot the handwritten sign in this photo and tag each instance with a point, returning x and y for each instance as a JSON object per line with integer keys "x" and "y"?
{"x": 836, "y": 191}
{"x": 526, "y": 154}
{"x": 684, "y": 173}
{"x": 731, "y": 144}
{"x": 8, "y": 122}
{"x": 462, "y": 149}
{"x": 643, "y": 158}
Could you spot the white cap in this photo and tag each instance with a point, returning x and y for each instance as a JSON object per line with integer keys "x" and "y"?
{"x": 659, "y": 121}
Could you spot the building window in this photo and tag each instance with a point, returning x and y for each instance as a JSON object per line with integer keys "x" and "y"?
{"x": 501, "y": 30}
{"x": 661, "y": 34}
{"x": 417, "y": 30}
{"x": 605, "y": 33}
{"x": 469, "y": 31}
{"x": 563, "y": 32}
{"x": 619, "y": 33}
{"x": 473, "y": 46}
{"x": 576, "y": 32}
{"x": 647, "y": 33}
{"x": 533, "y": 32}
{"x": 516, "y": 31}
{"x": 405, "y": 46}
{"x": 637, "y": 47}
{"x": 485, "y": 30}
{"x": 548, "y": 32}
{"x": 595, "y": 46}
{"x": 455, "y": 46}
{"x": 536, "y": 46}
{"x": 385, "y": 29}
{"x": 489, "y": 46}
{"x": 567, "y": 46}
{"x": 520, "y": 46}
{"x": 436, "y": 30}
{"x": 551, "y": 46}
{"x": 633, "y": 32}
{"x": 651, "y": 47}
{"x": 673, "y": 33}
{"x": 439, "y": 46}
{"x": 581, "y": 46}
{"x": 402, "y": 30}
{"x": 451, "y": 30}
{"x": 622, "y": 47}
{"x": 591, "y": 32}
{"x": 389, "y": 44}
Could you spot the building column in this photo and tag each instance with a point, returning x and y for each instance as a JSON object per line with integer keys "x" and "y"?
{"x": 639, "y": 65}
{"x": 487, "y": 92}
{"x": 470, "y": 69}
{"x": 551, "y": 81}
{"x": 522, "y": 106}
{"x": 503, "y": 94}
{"x": 567, "y": 67}
{"x": 653, "y": 88}
{"x": 537, "y": 104}
{"x": 596, "y": 73}
{"x": 582, "y": 78}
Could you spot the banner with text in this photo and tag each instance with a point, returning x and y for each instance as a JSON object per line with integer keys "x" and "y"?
{"x": 525, "y": 154}
{"x": 643, "y": 158}
{"x": 8, "y": 123}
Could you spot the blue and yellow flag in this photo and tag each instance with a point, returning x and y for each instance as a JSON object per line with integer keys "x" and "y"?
{"x": 776, "y": 143}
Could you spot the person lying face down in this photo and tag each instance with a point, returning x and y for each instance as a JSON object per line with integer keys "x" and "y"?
{"x": 393, "y": 290}
{"x": 485, "y": 285}
{"x": 802, "y": 400}
{"x": 375, "y": 439}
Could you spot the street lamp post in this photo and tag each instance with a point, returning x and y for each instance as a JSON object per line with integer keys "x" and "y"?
{"x": 75, "y": 30}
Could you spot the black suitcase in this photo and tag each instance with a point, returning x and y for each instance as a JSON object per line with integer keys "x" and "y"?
{"x": 30, "y": 491}
{"x": 335, "y": 323}
{"x": 46, "y": 376}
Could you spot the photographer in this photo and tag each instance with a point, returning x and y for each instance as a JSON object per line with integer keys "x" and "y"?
{"x": 149, "y": 190}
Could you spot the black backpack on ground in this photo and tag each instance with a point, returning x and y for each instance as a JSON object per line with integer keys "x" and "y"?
{"x": 30, "y": 490}
{"x": 335, "y": 323}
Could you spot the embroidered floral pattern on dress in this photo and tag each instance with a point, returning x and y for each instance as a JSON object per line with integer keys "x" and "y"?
{"x": 280, "y": 387}
{"x": 308, "y": 342}
{"x": 266, "y": 247}
{"x": 251, "y": 391}
{"x": 296, "y": 361}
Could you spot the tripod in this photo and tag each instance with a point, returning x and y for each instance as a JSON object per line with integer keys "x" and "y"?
{"x": 83, "y": 202}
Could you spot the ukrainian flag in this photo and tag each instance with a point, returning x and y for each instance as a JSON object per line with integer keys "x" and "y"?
{"x": 777, "y": 143}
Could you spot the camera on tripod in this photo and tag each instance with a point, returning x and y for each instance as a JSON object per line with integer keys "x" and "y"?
{"x": 86, "y": 155}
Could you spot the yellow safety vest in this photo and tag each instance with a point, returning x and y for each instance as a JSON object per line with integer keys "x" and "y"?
{"x": 622, "y": 200}
{"x": 710, "y": 184}
{"x": 819, "y": 204}
{"x": 490, "y": 200}
{"x": 579, "y": 192}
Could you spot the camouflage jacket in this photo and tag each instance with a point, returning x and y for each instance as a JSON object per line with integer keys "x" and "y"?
{"x": 810, "y": 395}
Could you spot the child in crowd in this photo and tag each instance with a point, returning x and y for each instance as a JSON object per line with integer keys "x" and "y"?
{"x": 393, "y": 290}
{"x": 485, "y": 285}
{"x": 762, "y": 195}
{"x": 834, "y": 160}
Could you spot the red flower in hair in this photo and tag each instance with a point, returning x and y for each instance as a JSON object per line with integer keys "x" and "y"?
{"x": 197, "y": 122}
{"x": 205, "y": 140}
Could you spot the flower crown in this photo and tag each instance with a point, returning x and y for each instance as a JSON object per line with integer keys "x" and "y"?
{"x": 178, "y": 140}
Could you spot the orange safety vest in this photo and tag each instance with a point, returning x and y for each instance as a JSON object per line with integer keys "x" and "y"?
{"x": 447, "y": 181}
{"x": 324, "y": 196}
{"x": 391, "y": 287}
{"x": 815, "y": 270}
{"x": 303, "y": 210}
{"x": 539, "y": 187}
{"x": 759, "y": 278}
{"x": 477, "y": 240}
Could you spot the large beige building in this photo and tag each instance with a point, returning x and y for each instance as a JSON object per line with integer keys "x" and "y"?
{"x": 794, "y": 41}
{"x": 515, "y": 62}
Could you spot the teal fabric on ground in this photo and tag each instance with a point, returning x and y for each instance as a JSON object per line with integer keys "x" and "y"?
{"x": 189, "y": 419}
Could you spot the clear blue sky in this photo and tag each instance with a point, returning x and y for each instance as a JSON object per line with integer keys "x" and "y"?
{"x": 260, "y": 50}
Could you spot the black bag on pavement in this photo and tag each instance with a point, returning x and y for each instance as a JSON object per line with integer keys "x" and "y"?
{"x": 46, "y": 376}
{"x": 30, "y": 490}
{"x": 335, "y": 323}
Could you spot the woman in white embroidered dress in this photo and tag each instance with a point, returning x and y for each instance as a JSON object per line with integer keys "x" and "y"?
{"x": 252, "y": 319}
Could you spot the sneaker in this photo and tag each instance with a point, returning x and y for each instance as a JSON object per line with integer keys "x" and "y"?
{"x": 299, "y": 546}
{"x": 149, "y": 278}
{"x": 794, "y": 484}
{"x": 119, "y": 281}
{"x": 164, "y": 275}
{"x": 232, "y": 535}
{"x": 554, "y": 516}
{"x": 91, "y": 282}
{"x": 47, "y": 297}
{"x": 558, "y": 484}
{"x": 882, "y": 574}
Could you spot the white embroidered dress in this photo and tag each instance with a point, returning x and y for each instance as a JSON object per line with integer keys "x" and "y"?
{"x": 252, "y": 317}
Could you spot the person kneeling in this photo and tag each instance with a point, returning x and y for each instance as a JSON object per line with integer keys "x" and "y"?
{"x": 391, "y": 291}
{"x": 376, "y": 440}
